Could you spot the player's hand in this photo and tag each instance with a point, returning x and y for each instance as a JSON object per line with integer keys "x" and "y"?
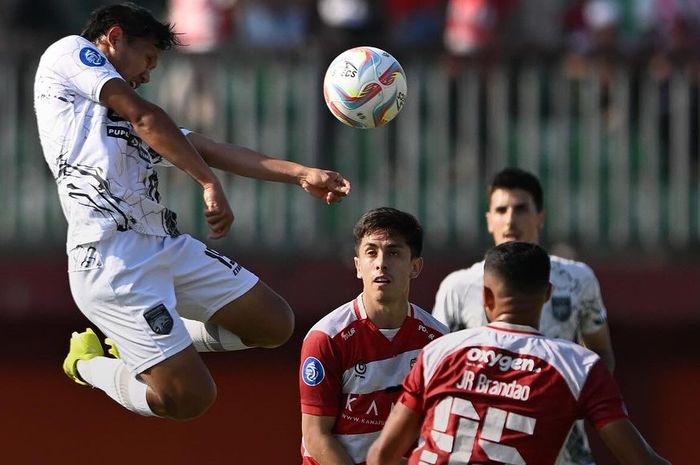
{"x": 328, "y": 186}
{"x": 217, "y": 210}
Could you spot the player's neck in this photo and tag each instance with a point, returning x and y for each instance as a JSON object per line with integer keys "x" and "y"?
{"x": 385, "y": 314}
{"x": 517, "y": 315}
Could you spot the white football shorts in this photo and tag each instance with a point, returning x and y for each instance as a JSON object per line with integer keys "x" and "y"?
{"x": 135, "y": 287}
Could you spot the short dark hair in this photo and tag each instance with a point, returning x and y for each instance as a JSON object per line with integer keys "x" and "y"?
{"x": 516, "y": 178}
{"x": 521, "y": 266}
{"x": 392, "y": 221}
{"x": 136, "y": 21}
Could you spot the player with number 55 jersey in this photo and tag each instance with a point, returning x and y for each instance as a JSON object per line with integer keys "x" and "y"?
{"x": 505, "y": 393}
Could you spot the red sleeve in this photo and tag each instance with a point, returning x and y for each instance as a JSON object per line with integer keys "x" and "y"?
{"x": 320, "y": 376}
{"x": 600, "y": 401}
{"x": 412, "y": 395}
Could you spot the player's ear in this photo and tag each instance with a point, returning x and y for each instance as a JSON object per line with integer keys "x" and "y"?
{"x": 489, "y": 301}
{"x": 114, "y": 35}
{"x": 416, "y": 267}
{"x": 357, "y": 268}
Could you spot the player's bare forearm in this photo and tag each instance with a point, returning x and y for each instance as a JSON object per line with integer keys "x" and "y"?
{"x": 326, "y": 450}
{"x": 323, "y": 184}
{"x": 628, "y": 445}
{"x": 157, "y": 130}
{"x": 399, "y": 432}
{"x": 320, "y": 441}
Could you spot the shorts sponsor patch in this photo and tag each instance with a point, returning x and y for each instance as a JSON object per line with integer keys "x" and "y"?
{"x": 159, "y": 319}
{"x": 91, "y": 57}
{"x": 312, "y": 371}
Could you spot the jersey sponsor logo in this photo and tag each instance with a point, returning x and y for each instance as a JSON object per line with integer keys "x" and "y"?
{"x": 159, "y": 319}
{"x": 348, "y": 334}
{"x": 120, "y": 132}
{"x": 360, "y": 369}
{"x": 91, "y": 57}
{"x": 503, "y": 362}
{"x": 312, "y": 372}
{"x": 561, "y": 308}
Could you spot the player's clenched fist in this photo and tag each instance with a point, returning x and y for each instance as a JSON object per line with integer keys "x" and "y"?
{"x": 329, "y": 186}
{"x": 217, "y": 210}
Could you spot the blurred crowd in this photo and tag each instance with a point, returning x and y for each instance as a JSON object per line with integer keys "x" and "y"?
{"x": 463, "y": 28}
{"x": 665, "y": 29}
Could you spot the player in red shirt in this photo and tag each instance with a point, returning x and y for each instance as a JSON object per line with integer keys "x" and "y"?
{"x": 354, "y": 359}
{"x": 505, "y": 393}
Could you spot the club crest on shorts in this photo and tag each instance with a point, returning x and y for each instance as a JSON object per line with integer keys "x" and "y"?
{"x": 159, "y": 319}
{"x": 312, "y": 371}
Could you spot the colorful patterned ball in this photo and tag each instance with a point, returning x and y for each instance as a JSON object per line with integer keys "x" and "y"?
{"x": 365, "y": 87}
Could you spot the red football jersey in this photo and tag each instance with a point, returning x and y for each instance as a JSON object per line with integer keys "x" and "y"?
{"x": 505, "y": 394}
{"x": 351, "y": 370}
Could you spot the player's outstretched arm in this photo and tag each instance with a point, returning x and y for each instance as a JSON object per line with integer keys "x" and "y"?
{"x": 320, "y": 442}
{"x": 628, "y": 445}
{"x": 397, "y": 436}
{"x": 328, "y": 186}
{"x": 157, "y": 130}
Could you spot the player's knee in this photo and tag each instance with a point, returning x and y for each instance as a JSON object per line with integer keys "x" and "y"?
{"x": 185, "y": 403}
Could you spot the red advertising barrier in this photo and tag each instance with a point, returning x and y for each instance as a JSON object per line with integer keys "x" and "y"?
{"x": 48, "y": 419}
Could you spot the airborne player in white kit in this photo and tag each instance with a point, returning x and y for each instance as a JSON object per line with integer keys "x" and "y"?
{"x": 354, "y": 359}
{"x": 505, "y": 393}
{"x": 575, "y": 312}
{"x": 161, "y": 296}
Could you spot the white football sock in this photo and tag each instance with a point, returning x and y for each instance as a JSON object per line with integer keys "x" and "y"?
{"x": 210, "y": 337}
{"x": 112, "y": 376}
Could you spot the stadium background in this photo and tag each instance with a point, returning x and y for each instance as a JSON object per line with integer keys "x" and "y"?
{"x": 615, "y": 145}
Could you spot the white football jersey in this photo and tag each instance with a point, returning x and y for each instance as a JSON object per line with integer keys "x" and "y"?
{"x": 576, "y": 308}
{"x": 104, "y": 172}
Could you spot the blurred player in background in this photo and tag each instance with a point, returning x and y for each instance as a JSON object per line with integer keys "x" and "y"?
{"x": 575, "y": 312}
{"x": 159, "y": 295}
{"x": 354, "y": 359}
{"x": 506, "y": 393}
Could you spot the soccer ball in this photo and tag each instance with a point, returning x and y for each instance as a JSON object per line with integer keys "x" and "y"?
{"x": 365, "y": 87}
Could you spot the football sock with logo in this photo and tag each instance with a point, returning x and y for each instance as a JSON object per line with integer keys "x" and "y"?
{"x": 111, "y": 376}
{"x": 210, "y": 337}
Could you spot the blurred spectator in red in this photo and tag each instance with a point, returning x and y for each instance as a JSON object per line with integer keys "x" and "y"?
{"x": 204, "y": 24}
{"x": 273, "y": 24}
{"x": 417, "y": 24}
{"x": 473, "y": 29}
